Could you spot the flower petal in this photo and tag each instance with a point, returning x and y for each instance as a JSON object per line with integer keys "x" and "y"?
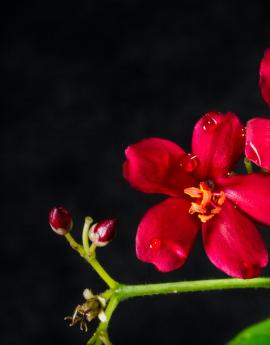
{"x": 257, "y": 147}
{"x": 166, "y": 234}
{"x": 218, "y": 142}
{"x": 153, "y": 166}
{"x": 233, "y": 243}
{"x": 265, "y": 76}
{"x": 250, "y": 193}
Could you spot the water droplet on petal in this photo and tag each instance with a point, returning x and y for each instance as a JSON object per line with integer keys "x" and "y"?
{"x": 243, "y": 132}
{"x": 155, "y": 244}
{"x": 253, "y": 153}
{"x": 209, "y": 123}
{"x": 189, "y": 162}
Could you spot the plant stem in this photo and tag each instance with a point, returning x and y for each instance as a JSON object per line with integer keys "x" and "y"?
{"x": 101, "y": 331}
{"x": 92, "y": 261}
{"x": 101, "y": 272}
{"x": 109, "y": 311}
{"x": 248, "y": 165}
{"x": 122, "y": 292}
{"x": 75, "y": 245}
{"x": 85, "y": 241}
{"x": 127, "y": 291}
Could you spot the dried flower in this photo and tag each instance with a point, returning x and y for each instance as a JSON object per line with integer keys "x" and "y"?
{"x": 93, "y": 307}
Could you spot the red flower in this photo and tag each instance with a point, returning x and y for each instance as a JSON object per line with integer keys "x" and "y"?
{"x": 257, "y": 147}
{"x": 202, "y": 193}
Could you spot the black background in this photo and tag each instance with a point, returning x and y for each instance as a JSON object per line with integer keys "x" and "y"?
{"x": 83, "y": 80}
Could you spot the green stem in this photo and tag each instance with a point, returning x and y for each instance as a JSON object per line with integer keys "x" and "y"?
{"x": 101, "y": 331}
{"x": 123, "y": 292}
{"x": 127, "y": 291}
{"x": 248, "y": 165}
{"x": 109, "y": 311}
{"x": 92, "y": 261}
{"x": 85, "y": 240}
{"x": 101, "y": 272}
{"x": 92, "y": 249}
{"x": 75, "y": 245}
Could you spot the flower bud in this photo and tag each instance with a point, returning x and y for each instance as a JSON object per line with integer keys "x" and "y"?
{"x": 60, "y": 220}
{"x": 103, "y": 232}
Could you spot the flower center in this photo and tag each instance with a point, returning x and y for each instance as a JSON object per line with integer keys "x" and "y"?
{"x": 208, "y": 202}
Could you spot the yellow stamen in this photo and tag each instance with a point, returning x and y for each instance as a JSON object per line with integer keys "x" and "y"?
{"x": 216, "y": 210}
{"x": 221, "y": 199}
{"x": 205, "y": 218}
{"x": 209, "y": 203}
{"x": 207, "y": 195}
{"x": 196, "y": 208}
{"x": 193, "y": 192}
{"x": 204, "y": 186}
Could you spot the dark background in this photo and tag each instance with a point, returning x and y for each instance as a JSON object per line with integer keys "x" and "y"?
{"x": 82, "y": 81}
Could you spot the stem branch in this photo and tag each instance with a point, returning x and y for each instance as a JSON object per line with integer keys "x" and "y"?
{"x": 127, "y": 291}
{"x": 75, "y": 245}
{"x": 101, "y": 272}
{"x": 92, "y": 260}
{"x": 85, "y": 241}
{"x": 101, "y": 335}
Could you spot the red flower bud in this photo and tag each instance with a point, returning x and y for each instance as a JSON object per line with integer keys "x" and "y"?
{"x": 103, "y": 232}
{"x": 60, "y": 220}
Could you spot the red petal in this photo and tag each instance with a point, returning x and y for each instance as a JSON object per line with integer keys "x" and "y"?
{"x": 153, "y": 166}
{"x": 218, "y": 141}
{"x": 265, "y": 76}
{"x": 233, "y": 243}
{"x": 249, "y": 192}
{"x": 166, "y": 234}
{"x": 258, "y": 142}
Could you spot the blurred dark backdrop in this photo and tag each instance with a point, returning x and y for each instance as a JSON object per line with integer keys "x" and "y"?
{"x": 82, "y": 81}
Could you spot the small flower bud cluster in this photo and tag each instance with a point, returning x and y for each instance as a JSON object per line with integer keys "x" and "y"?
{"x": 100, "y": 233}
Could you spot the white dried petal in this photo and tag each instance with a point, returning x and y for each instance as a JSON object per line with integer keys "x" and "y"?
{"x": 102, "y": 301}
{"x": 87, "y": 294}
{"x": 102, "y": 316}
